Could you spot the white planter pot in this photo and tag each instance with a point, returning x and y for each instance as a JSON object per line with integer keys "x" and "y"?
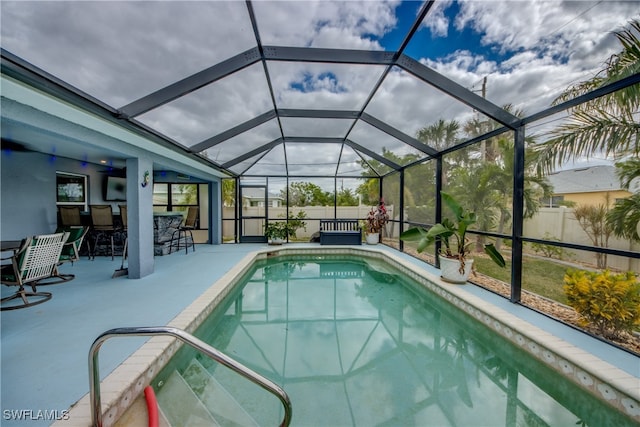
{"x": 450, "y": 270}
{"x": 276, "y": 241}
{"x": 372, "y": 238}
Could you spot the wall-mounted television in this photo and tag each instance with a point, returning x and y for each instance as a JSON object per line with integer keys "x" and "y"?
{"x": 71, "y": 189}
{"x": 116, "y": 189}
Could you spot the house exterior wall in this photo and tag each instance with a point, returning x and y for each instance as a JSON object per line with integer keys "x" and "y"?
{"x": 596, "y": 198}
{"x": 28, "y": 189}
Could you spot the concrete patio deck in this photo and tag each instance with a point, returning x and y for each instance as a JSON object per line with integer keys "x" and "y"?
{"x": 44, "y": 349}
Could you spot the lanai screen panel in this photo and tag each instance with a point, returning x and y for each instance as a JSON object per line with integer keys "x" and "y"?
{"x": 322, "y": 85}
{"x": 373, "y": 165}
{"x": 121, "y": 51}
{"x": 271, "y": 163}
{"x": 315, "y": 127}
{"x": 528, "y": 61}
{"x": 214, "y": 108}
{"x": 352, "y": 164}
{"x": 384, "y": 144}
{"x": 409, "y": 104}
{"x": 245, "y": 142}
{"x": 241, "y": 167}
{"x": 312, "y": 159}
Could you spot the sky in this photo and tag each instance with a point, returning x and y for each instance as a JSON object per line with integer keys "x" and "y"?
{"x": 528, "y": 52}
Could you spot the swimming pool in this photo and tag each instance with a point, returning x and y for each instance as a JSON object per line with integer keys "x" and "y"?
{"x": 355, "y": 343}
{"x": 122, "y": 388}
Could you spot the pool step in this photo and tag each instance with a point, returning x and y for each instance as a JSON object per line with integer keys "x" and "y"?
{"x": 224, "y": 408}
{"x": 181, "y": 406}
{"x": 196, "y": 398}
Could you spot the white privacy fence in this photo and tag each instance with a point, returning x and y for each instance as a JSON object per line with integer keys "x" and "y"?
{"x": 561, "y": 224}
{"x": 555, "y": 223}
{"x": 316, "y": 212}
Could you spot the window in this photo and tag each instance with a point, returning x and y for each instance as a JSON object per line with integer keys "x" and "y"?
{"x": 174, "y": 197}
{"x": 552, "y": 202}
{"x": 71, "y": 189}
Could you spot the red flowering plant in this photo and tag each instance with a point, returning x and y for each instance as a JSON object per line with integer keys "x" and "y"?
{"x": 376, "y": 218}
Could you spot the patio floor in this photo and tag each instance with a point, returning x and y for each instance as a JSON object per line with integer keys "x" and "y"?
{"x": 44, "y": 349}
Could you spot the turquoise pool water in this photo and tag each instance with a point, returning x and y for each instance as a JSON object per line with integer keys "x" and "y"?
{"x": 354, "y": 343}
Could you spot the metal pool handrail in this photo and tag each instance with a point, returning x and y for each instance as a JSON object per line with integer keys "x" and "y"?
{"x": 94, "y": 375}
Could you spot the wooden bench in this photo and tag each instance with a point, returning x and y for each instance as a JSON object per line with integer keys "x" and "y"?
{"x": 340, "y": 232}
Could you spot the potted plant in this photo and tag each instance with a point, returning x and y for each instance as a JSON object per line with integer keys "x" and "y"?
{"x": 277, "y": 232}
{"x": 454, "y": 264}
{"x": 375, "y": 222}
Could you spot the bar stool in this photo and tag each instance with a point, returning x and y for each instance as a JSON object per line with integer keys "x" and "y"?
{"x": 123, "y": 217}
{"x": 189, "y": 225}
{"x": 70, "y": 216}
{"x": 102, "y": 221}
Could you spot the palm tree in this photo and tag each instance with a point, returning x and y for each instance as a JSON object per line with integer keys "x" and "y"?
{"x": 605, "y": 125}
{"x": 440, "y": 135}
{"x": 624, "y": 217}
{"x": 495, "y": 157}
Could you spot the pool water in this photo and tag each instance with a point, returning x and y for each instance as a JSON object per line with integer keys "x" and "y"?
{"x": 354, "y": 343}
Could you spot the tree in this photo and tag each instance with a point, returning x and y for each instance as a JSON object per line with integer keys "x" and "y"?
{"x": 592, "y": 220}
{"x": 488, "y": 170}
{"x": 440, "y": 135}
{"x": 605, "y": 125}
{"x": 188, "y": 193}
{"x": 229, "y": 192}
{"x": 307, "y": 194}
{"x": 346, "y": 197}
{"x": 624, "y": 217}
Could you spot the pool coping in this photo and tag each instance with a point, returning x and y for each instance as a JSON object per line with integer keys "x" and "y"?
{"x": 126, "y": 383}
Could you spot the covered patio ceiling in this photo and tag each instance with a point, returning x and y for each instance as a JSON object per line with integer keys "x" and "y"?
{"x": 307, "y": 89}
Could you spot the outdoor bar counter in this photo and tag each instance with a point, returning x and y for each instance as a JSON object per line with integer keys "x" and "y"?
{"x": 164, "y": 224}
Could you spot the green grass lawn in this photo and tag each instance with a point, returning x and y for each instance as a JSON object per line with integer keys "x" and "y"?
{"x": 541, "y": 276}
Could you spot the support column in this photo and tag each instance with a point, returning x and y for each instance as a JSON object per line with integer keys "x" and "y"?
{"x": 140, "y": 217}
{"x": 215, "y": 212}
{"x": 438, "y": 207}
{"x": 518, "y": 214}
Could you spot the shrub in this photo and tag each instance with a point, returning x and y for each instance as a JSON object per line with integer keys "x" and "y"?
{"x": 549, "y": 251}
{"x": 610, "y": 302}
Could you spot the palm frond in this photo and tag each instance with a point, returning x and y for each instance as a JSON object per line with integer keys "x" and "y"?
{"x": 627, "y": 171}
{"x": 588, "y": 133}
{"x": 618, "y": 66}
{"x": 623, "y": 218}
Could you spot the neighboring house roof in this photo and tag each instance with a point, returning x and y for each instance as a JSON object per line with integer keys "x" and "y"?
{"x": 258, "y": 193}
{"x": 586, "y": 180}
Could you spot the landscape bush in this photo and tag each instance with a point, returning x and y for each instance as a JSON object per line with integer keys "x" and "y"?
{"x": 607, "y": 301}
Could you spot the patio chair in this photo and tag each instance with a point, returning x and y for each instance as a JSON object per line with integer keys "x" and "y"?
{"x": 190, "y": 224}
{"x": 36, "y": 259}
{"x": 102, "y": 223}
{"x": 70, "y": 216}
{"x": 70, "y": 253}
{"x": 123, "y": 271}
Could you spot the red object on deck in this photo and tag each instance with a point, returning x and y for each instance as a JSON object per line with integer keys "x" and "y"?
{"x": 152, "y": 406}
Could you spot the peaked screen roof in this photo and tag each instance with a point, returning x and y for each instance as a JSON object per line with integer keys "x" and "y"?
{"x": 313, "y": 88}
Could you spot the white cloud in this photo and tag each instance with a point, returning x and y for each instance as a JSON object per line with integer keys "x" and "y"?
{"x": 348, "y": 24}
{"x": 437, "y": 21}
{"x": 121, "y": 51}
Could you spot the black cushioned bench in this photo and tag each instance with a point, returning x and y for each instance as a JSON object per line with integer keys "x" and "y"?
{"x": 340, "y": 232}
